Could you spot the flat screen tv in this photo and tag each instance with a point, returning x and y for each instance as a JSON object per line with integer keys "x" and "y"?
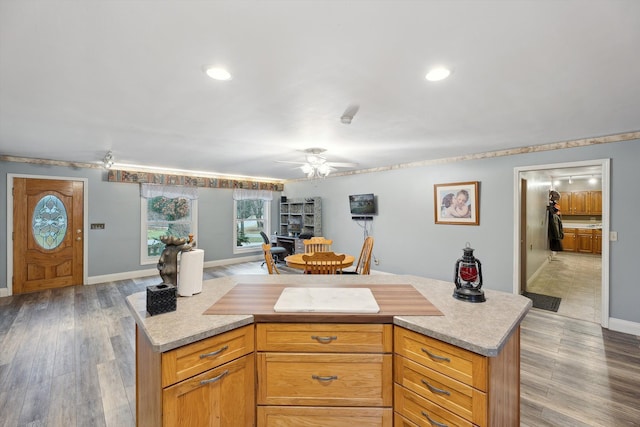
{"x": 362, "y": 204}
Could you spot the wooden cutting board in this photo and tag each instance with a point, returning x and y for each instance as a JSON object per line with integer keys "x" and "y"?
{"x": 259, "y": 300}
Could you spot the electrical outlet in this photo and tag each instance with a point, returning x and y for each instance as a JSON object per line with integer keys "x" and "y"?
{"x": 613, "y": 236}
{"x": 376, "y": 261}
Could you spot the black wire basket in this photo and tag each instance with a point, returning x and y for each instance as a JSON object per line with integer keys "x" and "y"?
{"x": 161, "y": 299}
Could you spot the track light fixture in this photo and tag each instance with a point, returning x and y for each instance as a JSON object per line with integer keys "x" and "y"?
{"x": 108, "y": 160}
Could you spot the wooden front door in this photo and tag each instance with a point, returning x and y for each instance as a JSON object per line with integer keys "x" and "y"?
{"x": 48, "y": 232}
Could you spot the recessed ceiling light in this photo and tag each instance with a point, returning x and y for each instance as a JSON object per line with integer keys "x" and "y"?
{"x": 218, "y": 73}
{"x": 437, "y": 74}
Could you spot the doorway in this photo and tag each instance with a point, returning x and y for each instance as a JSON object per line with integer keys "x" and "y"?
{"x": 527, "y": 241}
{"x": 47, "y": 218}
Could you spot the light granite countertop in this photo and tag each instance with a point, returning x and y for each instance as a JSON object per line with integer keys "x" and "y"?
{"x": 578, "y": 224}
{"x": 479, "y": 327}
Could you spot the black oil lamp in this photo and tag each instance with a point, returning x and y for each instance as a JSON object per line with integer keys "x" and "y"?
{"x": 468, "y": 277}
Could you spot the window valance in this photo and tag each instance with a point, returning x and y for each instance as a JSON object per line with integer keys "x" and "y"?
{"x": 149, "y": 191}
{"x": 245, "y": 194}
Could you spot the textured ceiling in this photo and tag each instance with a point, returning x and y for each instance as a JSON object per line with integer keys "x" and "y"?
{"x": 79, "y": 78}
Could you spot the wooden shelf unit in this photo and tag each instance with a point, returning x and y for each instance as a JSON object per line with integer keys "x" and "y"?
{"x": 301, "y": 216}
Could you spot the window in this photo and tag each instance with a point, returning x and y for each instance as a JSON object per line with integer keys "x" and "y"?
{"x": 165, "y": 211}
{"x": 251, "y": 209}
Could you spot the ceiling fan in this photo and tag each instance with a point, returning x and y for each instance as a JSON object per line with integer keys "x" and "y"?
{"x": 316, "y": 165}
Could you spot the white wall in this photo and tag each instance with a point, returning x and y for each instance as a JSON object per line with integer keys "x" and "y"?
{"x": 406, "y": 238}
{"x": 408, "y": 241}
{"x": 538, "y": 186}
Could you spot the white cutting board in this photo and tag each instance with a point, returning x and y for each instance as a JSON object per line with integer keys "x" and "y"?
{"x": 326, "y": 300}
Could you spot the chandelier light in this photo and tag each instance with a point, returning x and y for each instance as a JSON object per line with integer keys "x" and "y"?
{"x": 316, "y": 167}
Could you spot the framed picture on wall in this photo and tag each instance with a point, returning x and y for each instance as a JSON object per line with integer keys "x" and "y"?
{"x": 457, "y": 203}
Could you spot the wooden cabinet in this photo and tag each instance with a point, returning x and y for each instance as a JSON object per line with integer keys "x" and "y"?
{"x": 324, "y": 374}
{"x": 595, "y": 202}
{"x": 597, "y": 241}
{"x": 208, "y": 382}
{"x": 440, "y": 384}
{"x": 581, "y": 203}
{"x": 301, "y": 216}
{"x": 220, "y": 396}
{"x": 296, "y": 416}
{"x": 569, "y": 240}
{"x": 584, "y": 240}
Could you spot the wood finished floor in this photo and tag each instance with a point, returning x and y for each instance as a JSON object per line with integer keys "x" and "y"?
{"x": 67, "y": 359}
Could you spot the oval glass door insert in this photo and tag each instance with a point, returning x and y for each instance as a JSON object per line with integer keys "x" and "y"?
{"x": 49, "y": 223}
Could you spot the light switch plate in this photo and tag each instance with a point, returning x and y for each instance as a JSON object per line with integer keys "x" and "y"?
{"x": 613, "y": 236}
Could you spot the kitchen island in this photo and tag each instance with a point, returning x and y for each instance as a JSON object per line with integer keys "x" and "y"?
{"x": 460, "y": 367}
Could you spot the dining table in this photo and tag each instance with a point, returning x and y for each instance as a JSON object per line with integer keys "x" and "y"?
{"x": 296, "y": 261}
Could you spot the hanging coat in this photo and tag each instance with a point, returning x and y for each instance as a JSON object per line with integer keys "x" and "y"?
{"x": 555, "y": 232}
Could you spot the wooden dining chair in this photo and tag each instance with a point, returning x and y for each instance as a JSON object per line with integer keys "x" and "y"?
{"x": 364, "y": 261}
{"x": 323, "y": 263}
{"x": 268, "y": 259}
{"x": 317, "y": 244}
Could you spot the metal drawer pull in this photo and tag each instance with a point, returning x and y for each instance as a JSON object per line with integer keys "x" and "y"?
{"x": 434, "y": 422}
{"x": 434, "y": 389}
{"x": 329, "y": 378}
{"x": 435, "y": 356}
{"x": 324, "y": 340}
{"x": 213, "y": 380}
{"x": 214, "y": 353}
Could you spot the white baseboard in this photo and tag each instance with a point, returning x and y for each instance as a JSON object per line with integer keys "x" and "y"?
{"x": 624, "y": 326}
{"x": 378, "y": 272}
{"x": 539, "y": 270}
{"x": 4, "y": 292}
{"x": 94, "y": 280}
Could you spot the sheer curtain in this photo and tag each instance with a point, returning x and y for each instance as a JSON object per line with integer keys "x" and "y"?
{"x": 244, "y": 194}
{"x": 149, "y": 191}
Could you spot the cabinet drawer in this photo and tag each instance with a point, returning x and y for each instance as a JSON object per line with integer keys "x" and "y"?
{"x": 423, "y": 412}
{"x": 400, "y": 421}
{"x": 200, "y": 356}
{"x": 325, "y": 379}
{"x": 320, "y": 338}
{"x": 462, "y": 365}
{"x": 459, "y": 398}
{"x": 296, "y": 416}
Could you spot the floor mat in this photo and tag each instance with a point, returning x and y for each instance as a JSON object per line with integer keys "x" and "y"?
{"x": 544, "y": 302}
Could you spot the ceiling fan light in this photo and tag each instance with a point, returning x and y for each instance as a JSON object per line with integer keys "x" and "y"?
{"x": 324, "y": 169}
{"x": 307, "y": 168}
{"x": 437, "y": 74}
{"x": 314, "y": 160}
